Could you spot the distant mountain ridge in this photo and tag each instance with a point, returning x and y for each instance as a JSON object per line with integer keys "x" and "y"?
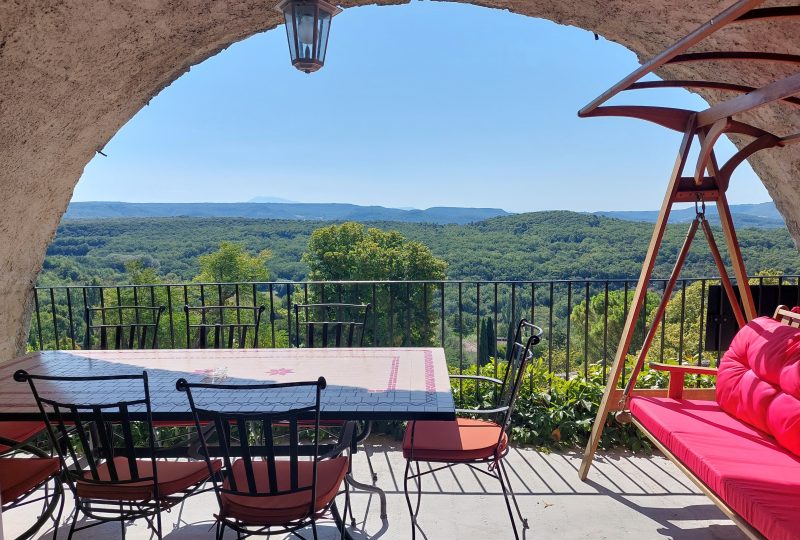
{"x": 280, "y": 210}
{"x": 762, "y": 215}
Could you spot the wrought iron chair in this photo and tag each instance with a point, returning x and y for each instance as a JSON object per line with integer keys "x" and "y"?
{"x": 16, "y": 436}
{"x": 334, "y": 325}
{"x": 129, "y": 329}
{"x": 261, "y": 493}
{"x": 216, "y": 331}
{"x": 22, "y": 480}
{"x": 471, "y": 441}
{"x": 111, "y": 482}
{"x": 330, "y": 325}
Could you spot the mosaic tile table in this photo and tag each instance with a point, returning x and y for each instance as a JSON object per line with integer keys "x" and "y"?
{"x": 363, "y": 384}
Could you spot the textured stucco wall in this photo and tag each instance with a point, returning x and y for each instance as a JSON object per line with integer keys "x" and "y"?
{"x": 73, "y": 72}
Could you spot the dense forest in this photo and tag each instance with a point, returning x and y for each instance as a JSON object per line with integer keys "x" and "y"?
{"x": 136, "y": 261}
{"x": 540, "y": 245}
{"x": 537, "y": 246}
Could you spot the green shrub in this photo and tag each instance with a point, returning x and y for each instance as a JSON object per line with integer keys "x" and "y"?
{"x": 552, "y": 412}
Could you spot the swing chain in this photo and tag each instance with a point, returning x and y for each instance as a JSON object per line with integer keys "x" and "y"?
{"x": 700, "y": 207}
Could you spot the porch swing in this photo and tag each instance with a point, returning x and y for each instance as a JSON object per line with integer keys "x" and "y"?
{"x": 739, "y": 443}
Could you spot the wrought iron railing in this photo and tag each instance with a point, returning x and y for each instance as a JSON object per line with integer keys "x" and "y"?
{"x": 451, "y": 314}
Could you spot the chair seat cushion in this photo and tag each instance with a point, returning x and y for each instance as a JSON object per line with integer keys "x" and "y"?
{"x": 745, "y": 467}
{"x": 173, "y": 477}
{"x": 20, "y": 475}
{"x": 19, "y": 431}
{"x": 265, "y": 509}
{"x": 463, "y": 439}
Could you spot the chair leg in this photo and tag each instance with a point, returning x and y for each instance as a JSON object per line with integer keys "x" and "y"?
{"x": 158, "y": 522}
{"x": 508, "y": 503}
{"x": 314, "y": 528}
{"x": 513, "y": 495}
{"x": 346, "y": 509}
{"x": 59, "y": 513}
{"x": 414, "y": 512}
{"x": 419, "y": 490}
{"x": 74, "y": 522}
{"x": 369, "y": 463}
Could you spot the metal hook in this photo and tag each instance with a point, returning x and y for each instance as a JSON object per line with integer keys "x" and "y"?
{"x": 700, "y": 206}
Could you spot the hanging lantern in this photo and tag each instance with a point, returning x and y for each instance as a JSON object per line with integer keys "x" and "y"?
{"x": 308, "y": 23}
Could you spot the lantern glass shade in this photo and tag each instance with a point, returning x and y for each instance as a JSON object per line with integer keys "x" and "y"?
{"x": 308, "y": 23}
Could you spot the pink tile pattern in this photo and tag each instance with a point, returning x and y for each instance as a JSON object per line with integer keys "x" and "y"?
{"x": 373, "y": 383}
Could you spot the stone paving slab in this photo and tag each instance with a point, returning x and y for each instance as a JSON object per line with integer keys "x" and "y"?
{"x": 627, "y": 496}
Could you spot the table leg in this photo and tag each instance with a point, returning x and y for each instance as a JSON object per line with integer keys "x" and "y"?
{"x": 371, "y": 489}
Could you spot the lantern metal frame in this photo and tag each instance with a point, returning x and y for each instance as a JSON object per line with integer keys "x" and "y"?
{"x": 319, "y": 43}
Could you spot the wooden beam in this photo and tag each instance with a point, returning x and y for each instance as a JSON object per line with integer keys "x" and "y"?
{"x": 710, "y": 85}
{"x": 709, "y": 139}
{"x": 717, "y": 56}
{"x": 769, "y": 13}
{"x": 790, "y": 139}
{"x": 765, "y": 141}
{"x": 723, "y": 274}
{"x": 731, "y": 240}
{"x": 702, "y": 394}
{"x": 735, "y": 252}
{"x": 668, "y": 117}
{"x": 734, "y": 12}
{"x": 638, "y": 297}
{"x": 662, "y": 306}
{"x": 774, "y": 91}
{"x": 688, "y": 191}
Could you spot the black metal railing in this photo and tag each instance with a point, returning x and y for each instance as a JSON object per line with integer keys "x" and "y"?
{"x": 450, "y": 314}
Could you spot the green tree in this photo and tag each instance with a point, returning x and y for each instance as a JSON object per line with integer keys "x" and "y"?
{"x": 232, "y": 263}
{"x": 140, "y": 274}
{"x": 604, "y": 334}
{"x": 350, "y": 251}
{"x": 487, "y": 344}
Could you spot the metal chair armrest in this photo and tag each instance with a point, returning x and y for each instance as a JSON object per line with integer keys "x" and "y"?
{"x": 477, "y": 378}
{"x": 344, "y": 443}
{"x": 481, "y": 411}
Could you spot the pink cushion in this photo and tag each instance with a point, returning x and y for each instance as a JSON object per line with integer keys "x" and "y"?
{"x": 759, "y": 380}
{"x": 757, "y": 478}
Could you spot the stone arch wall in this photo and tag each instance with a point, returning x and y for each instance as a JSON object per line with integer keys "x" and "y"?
{"x": 74, "y": 71}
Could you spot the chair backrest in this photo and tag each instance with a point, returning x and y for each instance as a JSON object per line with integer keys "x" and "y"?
{"x": 254, "y": 437}
{"x": 122, "y": 327}
{"x": 223, "y": 327}
{"x": 330, "y": 325}
{"x": 519, "y": 353}
{"x": 96, "y": 442}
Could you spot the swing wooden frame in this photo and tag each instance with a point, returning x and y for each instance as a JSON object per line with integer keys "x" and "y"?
{"x": 707, "y": 183}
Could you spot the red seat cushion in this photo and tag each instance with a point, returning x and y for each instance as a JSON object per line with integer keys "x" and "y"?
{"x": 281, "y": 509}
{"x": 744, "y": 466}
{"x": 759, "y": 380}
{"x": 19, "y": 431}
{"x": 20, "y": 475}
{"x": 463, "y": 439}
{"x": 173, "y": 477}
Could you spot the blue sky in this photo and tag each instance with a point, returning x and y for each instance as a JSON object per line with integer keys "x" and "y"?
{"x": 427, "y": 104}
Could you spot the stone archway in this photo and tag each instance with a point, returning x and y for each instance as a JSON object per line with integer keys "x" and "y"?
{"x": 73, "y": 72}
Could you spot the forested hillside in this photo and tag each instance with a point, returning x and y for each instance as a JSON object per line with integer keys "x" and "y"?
{"x": 541, "y": 245}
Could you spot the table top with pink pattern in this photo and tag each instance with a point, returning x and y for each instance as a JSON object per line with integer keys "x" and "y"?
{"x": 363, "y": 383}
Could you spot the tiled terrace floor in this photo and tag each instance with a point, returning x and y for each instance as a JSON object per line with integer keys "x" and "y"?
{"x": 626, "y": 497}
